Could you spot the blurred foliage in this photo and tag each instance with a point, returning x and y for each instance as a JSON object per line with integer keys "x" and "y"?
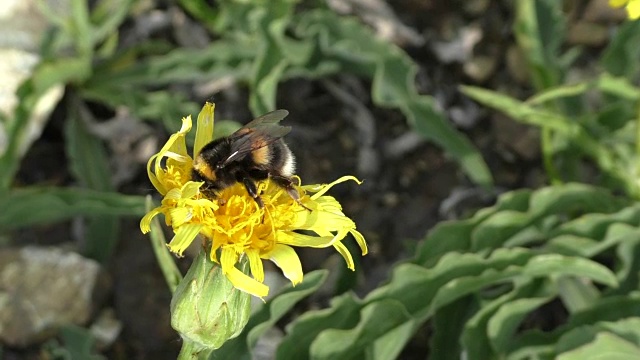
{"x": 570, "y": 250}
{"x": 74, "y": 343}
{"x": 594, "y": 120}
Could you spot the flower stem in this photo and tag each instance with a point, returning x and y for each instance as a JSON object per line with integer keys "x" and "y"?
{"x": 193, "y": 351}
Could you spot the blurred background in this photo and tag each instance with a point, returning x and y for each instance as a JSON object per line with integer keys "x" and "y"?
{"x": 91, "y": 89}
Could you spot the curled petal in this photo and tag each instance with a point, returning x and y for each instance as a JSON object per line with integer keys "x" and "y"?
{"x": 287, "y": 260}
{"x": 345, "y": 254}
{"x": 156, "y": 160}
{"x": 320, "y": 190}
{"x": 145, "y": 223}
{"x": 361, "y": 242}
{"x": 154, "y": 179}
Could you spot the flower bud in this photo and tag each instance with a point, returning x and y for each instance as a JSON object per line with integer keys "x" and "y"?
{"x": 206, "y": 309}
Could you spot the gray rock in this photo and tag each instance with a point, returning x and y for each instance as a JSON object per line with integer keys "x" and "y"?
{"x": 42, "y": 288}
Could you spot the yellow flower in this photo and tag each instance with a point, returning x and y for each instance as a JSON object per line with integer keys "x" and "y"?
{"x": 632, "y": 6}
{"x": 240, "y": 227}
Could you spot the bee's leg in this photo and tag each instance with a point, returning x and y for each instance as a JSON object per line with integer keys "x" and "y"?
{"x": 287, "y": 184}
{"x": 252, "y": 189}
{"x": 209, "y": 192}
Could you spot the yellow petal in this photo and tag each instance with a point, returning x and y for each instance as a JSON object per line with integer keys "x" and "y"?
{"x": 190, "y": 189}
{"x": 617, "y": 3}
{"x": 228, "y": 259}
{"x": 633, "y": 9}
{"x": 154, "y": 179}
{"x": 322, "y": 189}
{"x": 156, "y": 160}
{"x": 176, "y": 156}
{"x": 174, "y": 194}
{"x": 302, "y": 240}
{"x": 245, "y": 283}
{"x": 204, "y": 128}
{"x": 179, "y": 216}
{"x": 360, "y": 239}
{"x": 177, "y": 152}
{"x": 345, "y": 254}
{"x": 145, "y": 223}
{"x": 287, "y": 260}
{"x": 255, "y": 263}
{"x": 183, "y": 238}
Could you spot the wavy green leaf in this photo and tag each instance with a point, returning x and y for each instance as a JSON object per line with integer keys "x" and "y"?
{"x": 605, "y": 346}
{"x": 376, "y": 320}
{"x": 343, "y": 313}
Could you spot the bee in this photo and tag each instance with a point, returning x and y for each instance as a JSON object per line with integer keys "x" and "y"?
{"x": 254, "y": 153}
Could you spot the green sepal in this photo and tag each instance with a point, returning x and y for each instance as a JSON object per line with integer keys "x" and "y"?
{"x": 206, "y": 310}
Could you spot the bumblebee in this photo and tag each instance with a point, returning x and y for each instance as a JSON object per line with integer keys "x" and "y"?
{"x": 254, "y": 153}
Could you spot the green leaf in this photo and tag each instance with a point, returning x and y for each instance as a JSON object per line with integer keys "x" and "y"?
{"x": 559, "y": 92}
{"x": 497, "y": 229}
{"x": 78, "y": 343}
{"x": 539, "y": 29}
{"x": 605, "y": 346}
{"x": 88, "y": 158}
{"x": 448, "y": 324}
{"x": 629, "y": 267}
{"x": 45, "y": 205}
{"x": 551, "y": 265}
{"x": 612, "y": 308}
{"x": 628, "y": 329}
{"x": 80, "y": 28}
{"x": 505, "y": 322}
{"x": 475, "y": 337}
{"x": 618, "y": 86}
{"x": 242, "y": 346}
{"x": 107, "y": 16}
{"x": 422, "y": 291}
{"x": 455, "y": 236}
{"x": 577, "y": 294}
{"x": 342, "y": 314}
{"x": 376, "y": 319}
{"x": 521, "y": 111}
{"x": 620, "y": 58}
{"x": 90, "y": 165}
{"x": 555, "y": 264}
{"x": 390, "y": 345}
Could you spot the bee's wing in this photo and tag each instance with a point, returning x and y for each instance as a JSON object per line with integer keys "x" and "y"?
{"x": 268, "y": 119}
{"x": 257, "y": 134}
